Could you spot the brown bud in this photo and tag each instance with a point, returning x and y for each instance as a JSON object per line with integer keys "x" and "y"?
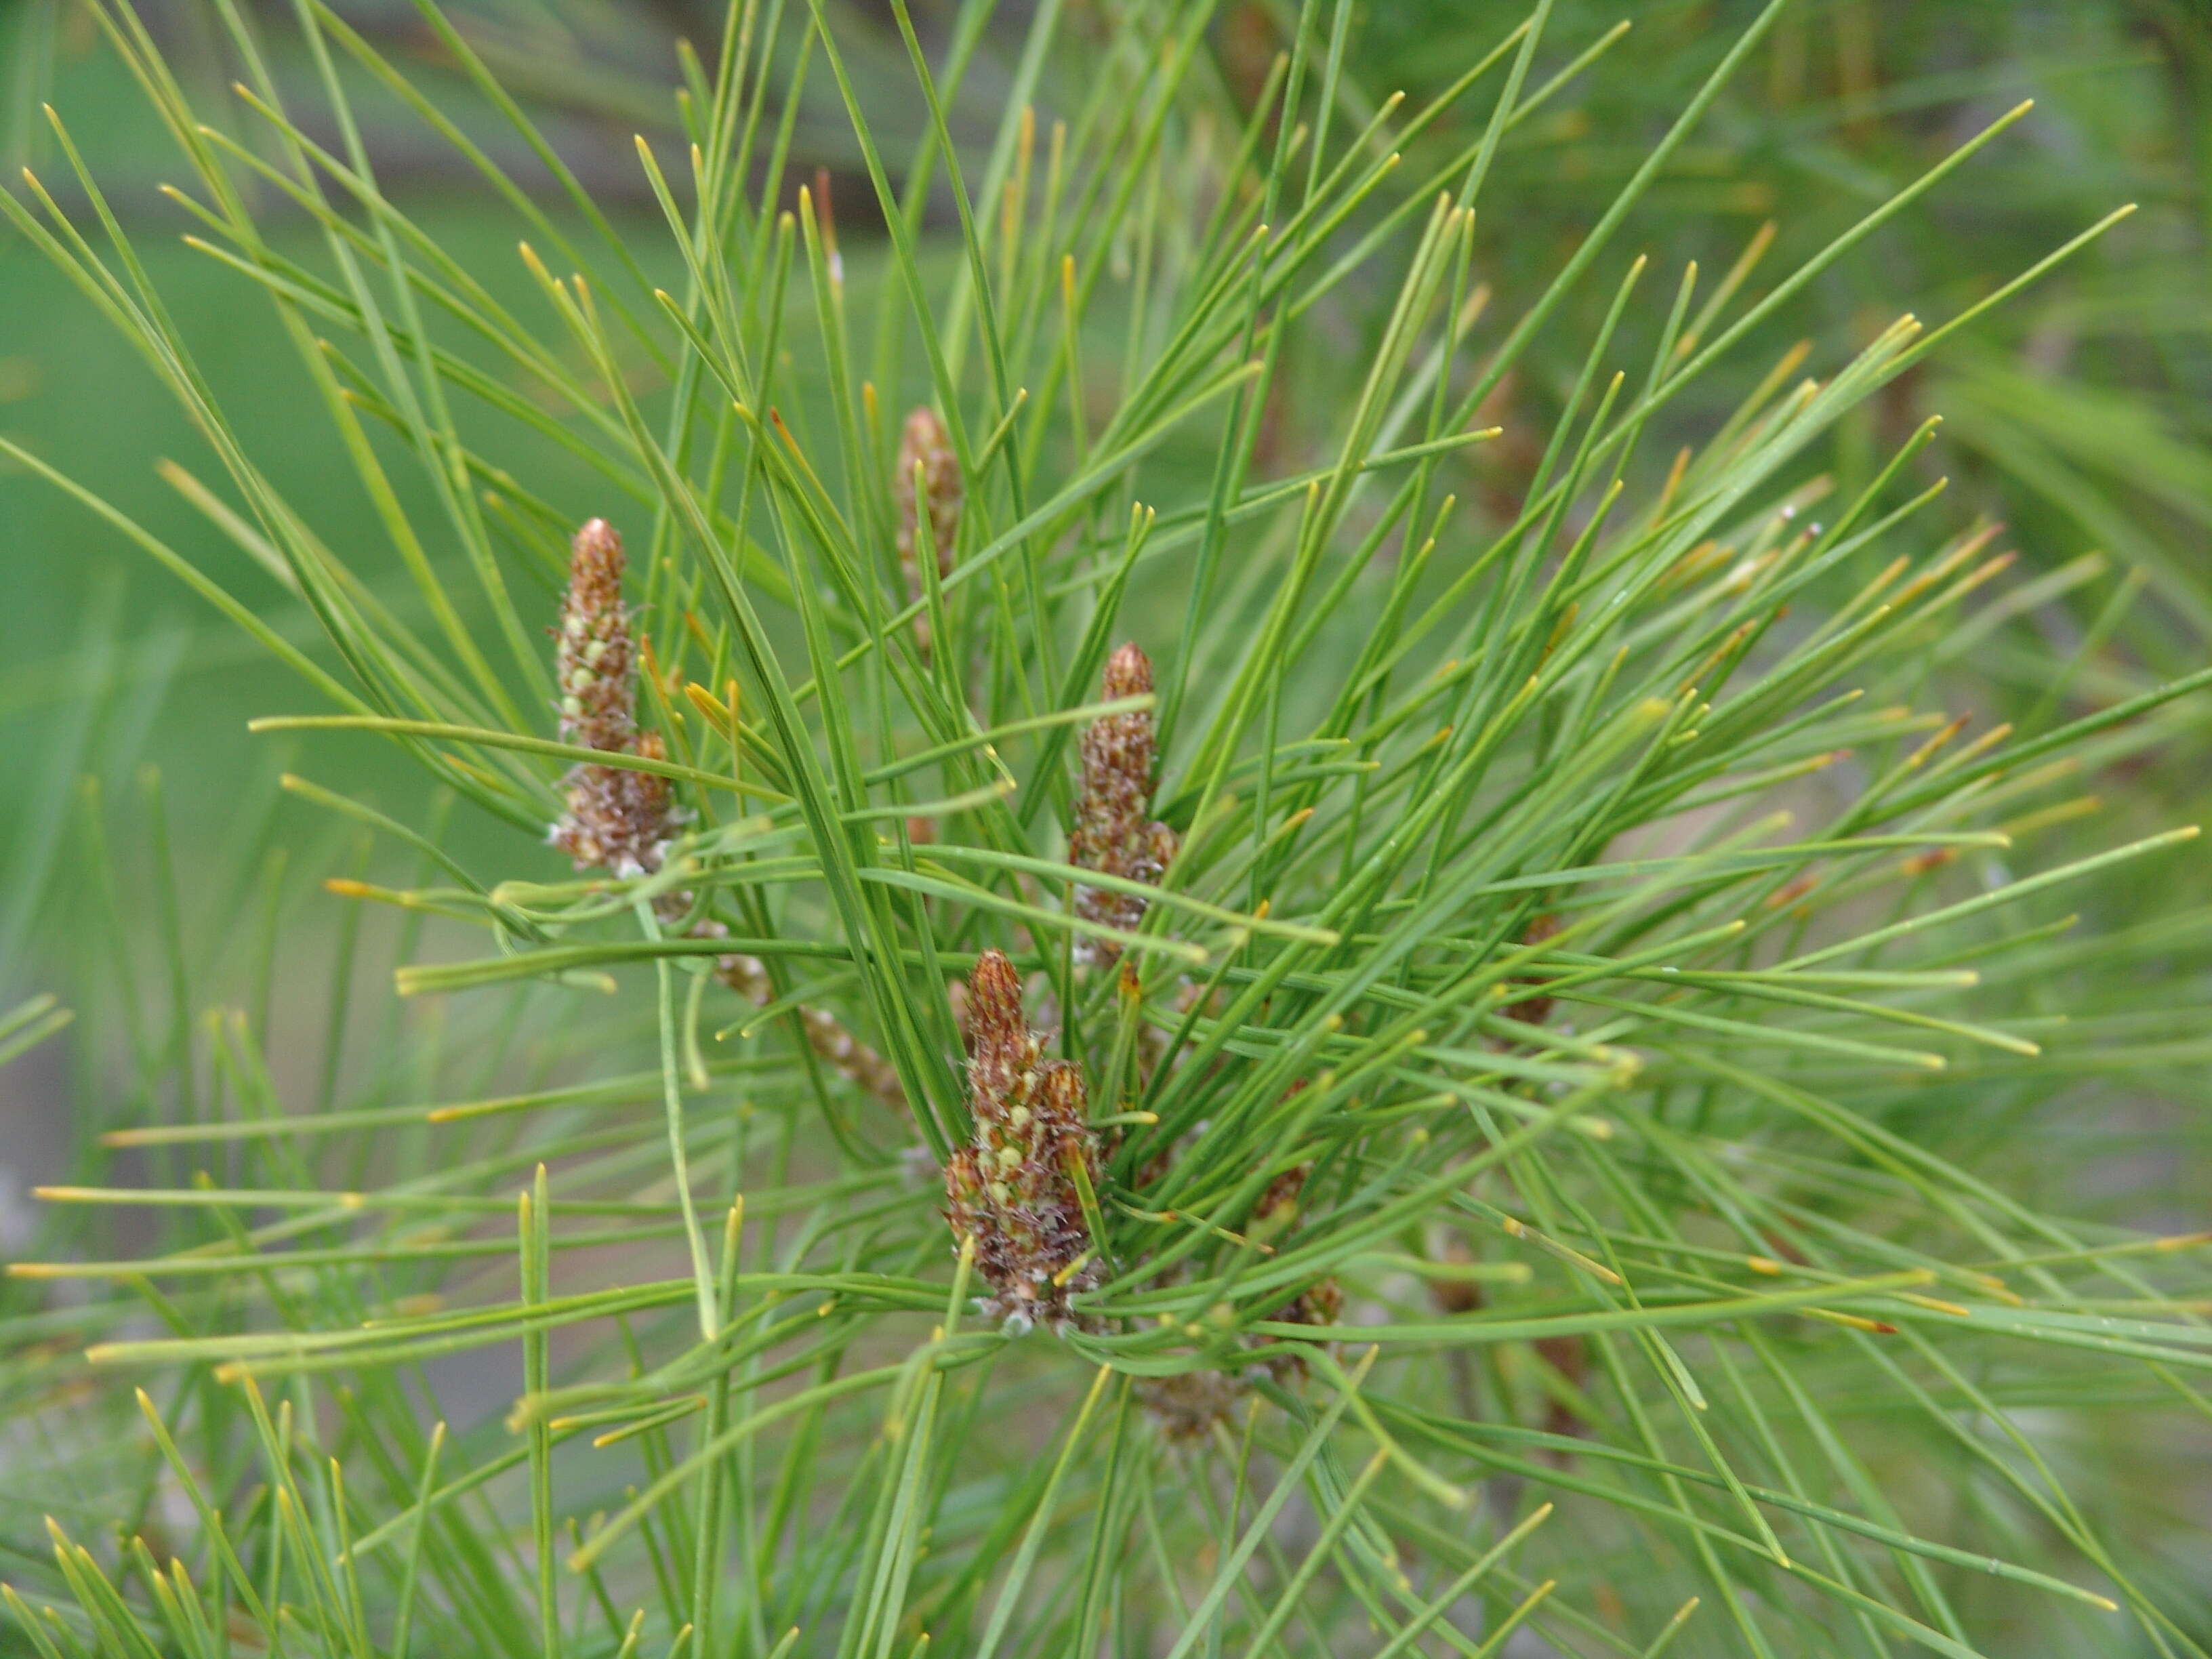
{"x": 616, "y": 818}
{"x": 1569, "y": 1357}
{"x": 597, "y": 659}
{"x": 1129, "y": 672}
{"x": 1000, "y": 1045}
{"x": 926, "y": 449}
{"x": 1115, "y": 833}
{"x": 1014, "y": 1189}
{"x": 1534, "y": 1011}
{"x": 1320, "y": 1303}
{"x": 1279, "y": 1203}
{"x": 1189, "y": 1404}
{"x": 1457, "y": 1296}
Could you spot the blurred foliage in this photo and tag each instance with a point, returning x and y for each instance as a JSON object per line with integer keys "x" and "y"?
{"x": 2077, "y": 418}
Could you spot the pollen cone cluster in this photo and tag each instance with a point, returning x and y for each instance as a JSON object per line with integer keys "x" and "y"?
{"x": 1537, "y": 1009}
{"x": 1277, "y": 1212}
{"x": 617, "y": 819}
{"x": 925, "y": 486}
{"x": 1115, "y": 832}
{"x": 1013, "y": 1189}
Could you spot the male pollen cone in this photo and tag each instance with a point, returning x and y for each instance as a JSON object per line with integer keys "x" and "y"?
{"x": 1010, "y": 1189}
{"x": 1115, "y": 832}
{"x": 616, "y": 818}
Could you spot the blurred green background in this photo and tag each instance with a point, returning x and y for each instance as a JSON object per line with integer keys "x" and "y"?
{"x": 2077, "y": 418}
